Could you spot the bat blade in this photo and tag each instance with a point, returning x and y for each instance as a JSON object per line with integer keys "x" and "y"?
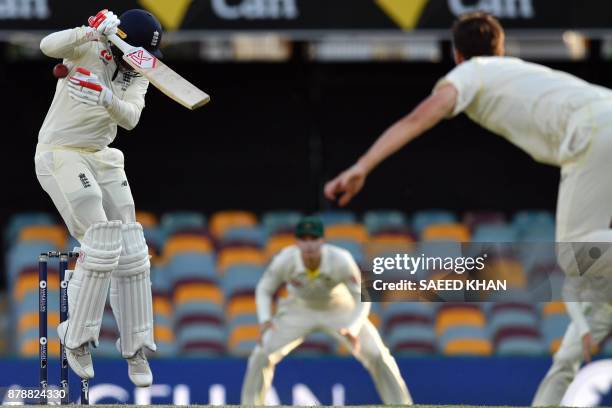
{"x": 165, "y": 79}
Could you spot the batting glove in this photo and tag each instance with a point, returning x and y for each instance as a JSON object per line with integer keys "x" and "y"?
{"x": 85, "y": 87}
{"x": 105, "y": 22}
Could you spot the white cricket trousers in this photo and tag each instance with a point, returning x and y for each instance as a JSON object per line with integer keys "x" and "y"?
{"x": 292, "y": 323}
{"x": 86, "y": 187}
{"x": 584, "y": 214}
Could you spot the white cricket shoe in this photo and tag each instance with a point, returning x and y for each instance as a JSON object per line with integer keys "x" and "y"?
{"x": 79, "y": 359}
{"x": 139, "y": 370}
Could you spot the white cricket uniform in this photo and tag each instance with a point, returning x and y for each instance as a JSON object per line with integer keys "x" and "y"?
{"x": 328, "y": 301}
{"x": 88, "y": 185}
{"x": 564, "y": 121}
{"x": 84, "y": 177}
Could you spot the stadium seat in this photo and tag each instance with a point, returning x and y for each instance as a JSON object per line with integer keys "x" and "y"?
{"x": 223, "y": 220}
{"x": 277, "y": 242}
{"x": 474, "y": 219}
{"x": 527, "y": 220}
{"x": 146, "y": 219}
{"x": 175, "y": 221}
{"x": 245, "y": 236}
{"x": 446, "y": 232}
{"x": 241, "y": 279}
{"x": 459, "y": 315}
{"x": 55, "y": 235}
{"x": 384, "y": 220}
{"x": 184, "y": 243}
{"x": 347, "y": 232}
{"x": 354, "y": 247}
{"x": 555, "y": 322}
{"x": 408, "y": 327}
{"x": 494, "y": 233}
{"x": 332, "y": 217}
{"x": 514, "y": 327}
{"x": 422, "y": 219}
{"x": 240, "y": 256}
{"x": 280, "y": 221}
{"x": 316, "y": 344}
{"x": 21, "y": 220}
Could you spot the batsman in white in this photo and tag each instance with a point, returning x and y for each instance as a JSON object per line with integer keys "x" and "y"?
{"x": 88, "y": 185}
{"x": 324, "y": 294}
{"x": 559, "y": 120}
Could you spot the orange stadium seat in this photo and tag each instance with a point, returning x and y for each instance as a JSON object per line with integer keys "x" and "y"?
{"x": 248, "y": 332}
{"x": 162, "y": 306}
{"x": 353, "y": 232}
{"x": 509, "y": 270}
{"x": 146, "y": 219}
{"x": 29, "y": 348}
{"x": 234, "y": 256}
{"x": 28, "y": 282}
{"x": 197, "y": 292}
{"x": 186, "y": 243}
{"x": 163, "y": 334}
{"x": 552, "y": 308}
{"x": 223, "y": 220}
{"x": 54, "y": 234}
{"x": 459, "y": 316}
{"x": 475, "y": 346}
{"x": 446, "y": 232}
{"x": 277, "y": 242}
{"x": 29, "y": 321}
{"x": 240, "y": 306}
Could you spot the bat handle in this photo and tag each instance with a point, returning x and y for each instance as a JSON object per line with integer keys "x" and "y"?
{"x": 122, "y": 45}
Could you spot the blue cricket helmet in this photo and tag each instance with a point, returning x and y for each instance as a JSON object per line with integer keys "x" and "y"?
{"x": 140, "y": 28}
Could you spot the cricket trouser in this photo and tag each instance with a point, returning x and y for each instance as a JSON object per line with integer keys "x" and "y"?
{"x": 567, "y": 359}
{"x": 89, "y": 188}
{"x": 292, "y": 323}
{"x": 86, "y": 187}
{"x": 584, "y": 214}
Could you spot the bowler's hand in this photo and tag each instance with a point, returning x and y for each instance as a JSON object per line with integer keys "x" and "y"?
{"x": 348, "y": 183}
{"x": 353, "y": 340}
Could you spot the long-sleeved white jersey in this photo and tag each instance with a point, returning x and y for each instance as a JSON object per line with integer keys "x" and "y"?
{"x": 70, "y": 123}
{"x": 338, "y": 282}
{"x": 540, "y": 110}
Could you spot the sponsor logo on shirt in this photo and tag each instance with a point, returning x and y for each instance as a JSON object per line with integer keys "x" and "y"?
{"x": 106, "y": 56}
{"x": 84, "y": 180}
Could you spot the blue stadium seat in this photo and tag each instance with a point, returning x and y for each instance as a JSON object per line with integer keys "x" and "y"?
{"x": 332, "y": 217}
{"x": 422, "y": 219}
{"x": 253, "y": 236}
{"x": 18, "y": 221}
{"x": 381, "y": 220}
{"x": 280, "y": 221}
{"x": 175, "y": 221}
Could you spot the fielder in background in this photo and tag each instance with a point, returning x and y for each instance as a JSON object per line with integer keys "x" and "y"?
{"x": 88, "y": 185}
{"x": 324, "y": 294}
{"x": 559, "y": 120}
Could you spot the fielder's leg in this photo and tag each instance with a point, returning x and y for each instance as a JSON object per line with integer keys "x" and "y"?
{"x": 132, "y": 304}
{"x": 290, "y": 327}
{"x": 568, "y": 358}
{"x": 377, "y": 359}
{"x": 87, "y": 291}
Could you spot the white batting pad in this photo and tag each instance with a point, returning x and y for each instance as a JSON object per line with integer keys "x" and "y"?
{"x": 88, "y": 283}
{"x": 130, "y": 293}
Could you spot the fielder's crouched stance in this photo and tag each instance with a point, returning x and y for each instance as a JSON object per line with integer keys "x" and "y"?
{"x": 87, "y": 183}
{"x": 323, "y": 282}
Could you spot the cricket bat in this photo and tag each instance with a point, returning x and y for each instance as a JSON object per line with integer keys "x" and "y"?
{"x": 161, "y": 76}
